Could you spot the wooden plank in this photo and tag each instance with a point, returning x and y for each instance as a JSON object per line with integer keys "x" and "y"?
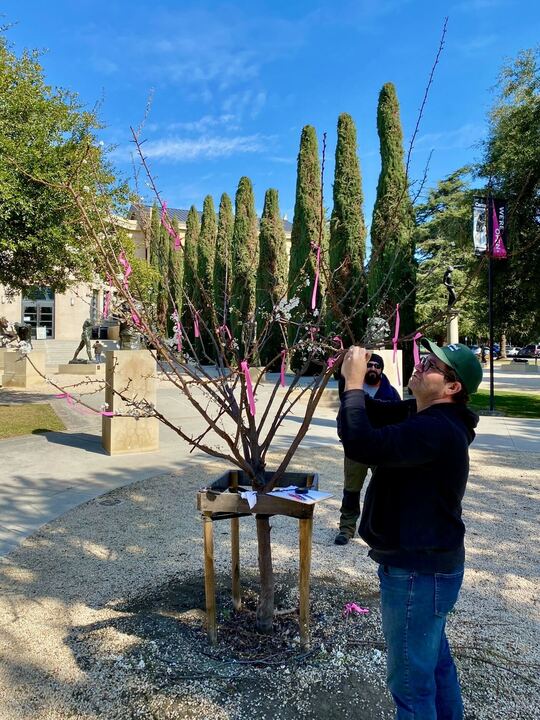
{"x": 305, "y": 532}
{"x": 209, "y": 579}
{"x": 235, "y": 551}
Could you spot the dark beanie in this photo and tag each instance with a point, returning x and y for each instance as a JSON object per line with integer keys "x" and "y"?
{"x": 377, "y": 358}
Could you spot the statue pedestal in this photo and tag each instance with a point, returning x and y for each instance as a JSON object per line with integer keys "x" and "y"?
{"x": 77, "y": 368}
{"x": 452, "y": 327}
{"x": 132, "y": 373}
{"x": 19, "y": 372}
{"x": 391, "y": 369}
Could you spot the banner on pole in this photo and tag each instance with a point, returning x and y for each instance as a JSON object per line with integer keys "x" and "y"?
{"x": 497, "y": 226}
{"x": 479, "y": 225}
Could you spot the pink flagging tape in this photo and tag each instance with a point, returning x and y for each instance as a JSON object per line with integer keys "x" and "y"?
{"x": 249, "y": 387}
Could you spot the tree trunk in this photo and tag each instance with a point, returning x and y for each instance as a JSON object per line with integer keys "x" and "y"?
{"x": 265, "y": 608}
{"x": 503, "y": 345}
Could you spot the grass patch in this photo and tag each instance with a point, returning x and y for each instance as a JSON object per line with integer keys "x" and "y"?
{"x": 27, "y": 419}
{"x": 512, "y": 404}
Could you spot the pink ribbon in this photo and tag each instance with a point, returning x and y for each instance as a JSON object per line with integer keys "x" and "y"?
{"x": 331, "y": 362}
{"x": 395, "y": 342}
{"x": 169, "y": 228}
{"x": 316, "y": 281}
{"x": 224, "y": 330}
{"x": 80, "y": 409}
{"x": 312, "y": 332}
{"x": 249, "y": 387}
{"x": 136, "y": 318}
{"x": 416, "y": 351}
{"x": 124, "y": 262}
{"x": 497, "y": 250}
{"x": 352, "y": 608}
{"x": 337, "y": 339}
{"x": 282, "y": 371}
{"x": 196, "y": 324}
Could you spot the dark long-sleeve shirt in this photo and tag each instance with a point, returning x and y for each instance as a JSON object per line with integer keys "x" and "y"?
{"x": 411, "y": 516}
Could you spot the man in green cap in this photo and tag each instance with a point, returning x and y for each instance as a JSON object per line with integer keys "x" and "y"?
{"x": 411, "y": 517}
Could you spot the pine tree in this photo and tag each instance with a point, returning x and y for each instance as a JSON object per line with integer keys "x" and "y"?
{"x": 347, "y": 232}
{"x": 305, "y": 234}
{"x": 222, "y": 264}
{"x": 191, "y": 280}
{"x": 392, "y": 268}
{"x": 271, "y": 276}
{"x": 245, "y": 255}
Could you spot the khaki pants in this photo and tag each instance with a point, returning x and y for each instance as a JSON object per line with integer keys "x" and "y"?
{"x": 354, "y": 477}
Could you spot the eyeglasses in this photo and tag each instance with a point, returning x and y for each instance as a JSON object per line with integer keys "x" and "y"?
{"x": 374, "y": 365}
{"x": 426, "y": 364}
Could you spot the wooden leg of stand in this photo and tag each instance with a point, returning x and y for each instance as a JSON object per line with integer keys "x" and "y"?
{"x": 209, "y": 579}
{"x": 305, "y": 527}
{"x": 235, "y": 563}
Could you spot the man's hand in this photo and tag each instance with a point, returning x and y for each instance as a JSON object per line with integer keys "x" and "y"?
{"x": 354, "y": 367}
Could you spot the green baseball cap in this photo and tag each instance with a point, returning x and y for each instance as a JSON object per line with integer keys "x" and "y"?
{"x": 461, "y": 359}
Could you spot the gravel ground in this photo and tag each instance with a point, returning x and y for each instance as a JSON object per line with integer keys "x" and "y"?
{"x": 101, "y": 610}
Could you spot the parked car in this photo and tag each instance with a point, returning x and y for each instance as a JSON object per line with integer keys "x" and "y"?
{"x": 477, "y": 350}
{"x": 512, "y": 350}
{"x": 529, "y": 352}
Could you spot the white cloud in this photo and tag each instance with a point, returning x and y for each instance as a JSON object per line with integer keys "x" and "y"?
{"x": 205, "y": 122}
{"x": 462, "y": 137}
{"x": 185, "y": 149}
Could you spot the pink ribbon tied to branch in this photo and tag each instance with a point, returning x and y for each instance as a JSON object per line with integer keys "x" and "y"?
{"x": 249, "y": 387}
{"x": 169, "y": 228}
{"x": 124, "y": 262}
{"x": 224, "y": 331}
{"x": 416, "y": 351}
{"x": 79, "y": 408}
{"x": 395, "y": 343}
{"x": 196, "y": 324}
{"x": 177, "y": 331}
{"x": 354, "y": 609}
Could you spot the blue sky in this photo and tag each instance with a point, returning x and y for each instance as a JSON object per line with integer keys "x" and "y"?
{"x": 232, "y": 84}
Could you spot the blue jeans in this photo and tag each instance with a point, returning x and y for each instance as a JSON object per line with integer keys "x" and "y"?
{"x": 421, "y": 676}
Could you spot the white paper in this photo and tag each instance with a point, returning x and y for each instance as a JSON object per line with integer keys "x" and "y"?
{"x": 288, "y": 493}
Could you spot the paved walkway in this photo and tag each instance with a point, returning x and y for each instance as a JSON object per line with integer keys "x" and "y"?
{"x": 44, "y": 476}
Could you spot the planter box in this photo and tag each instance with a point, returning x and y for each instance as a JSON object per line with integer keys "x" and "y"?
{"x": 223, "y": 497}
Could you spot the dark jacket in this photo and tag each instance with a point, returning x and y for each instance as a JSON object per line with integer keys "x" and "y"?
{"x": 411, "y": 516}
{"x": 385, "y": 391}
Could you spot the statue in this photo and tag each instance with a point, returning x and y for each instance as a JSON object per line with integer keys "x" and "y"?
{"x": 15, "y": 335}
{"x": 377, "y": 332}
{"x": 86, "y": 337}
{"x": 449, "y": 285}
{"x": 130, "y": 338}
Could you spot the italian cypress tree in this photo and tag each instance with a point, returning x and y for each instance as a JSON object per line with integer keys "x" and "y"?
{"x": 245, "y": 255}
{"x": 392, "y": 268}
{"x": 159, "y": 260}
{"x": 205, "y": 269}
{"x": 191, "y": 281}
{"x": 176, "y": 278}
{"x": 222, "y": 264}
{"x": 272, "y": 275}
{"x": 347, "y": 232}
{"x": 306, "y": 226}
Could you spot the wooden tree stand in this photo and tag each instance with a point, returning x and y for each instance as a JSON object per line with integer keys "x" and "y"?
{"x": 222, "y": 501}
